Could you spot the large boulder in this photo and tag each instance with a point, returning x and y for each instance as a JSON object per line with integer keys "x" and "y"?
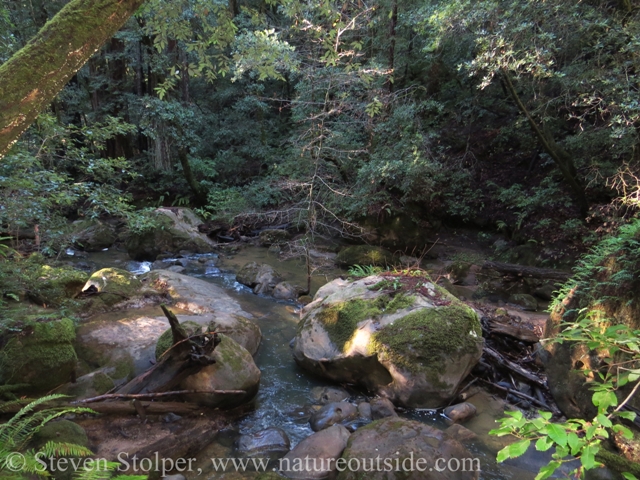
{"x": 55, "y": 284}
{"x": 364, "y": 255}
{"x": 261, "y": 277}
{"x": 213, "y": 307}
{"x": 112, "y": 286}
{"x": 42, "y": 355}
{"x": 314, "y": 458}
{"x": 174, "y": 229}
{"x": 234, "y": 370}
{"x": 93, "y": 235}
{"x": 413, "y": 348}
{"x": 407, "y": 450}
{"x": 273, "y": 237}
{"x": 271, "y": 443}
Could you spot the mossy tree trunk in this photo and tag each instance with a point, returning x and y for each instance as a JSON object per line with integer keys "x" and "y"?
{"x": 33, "y": 76}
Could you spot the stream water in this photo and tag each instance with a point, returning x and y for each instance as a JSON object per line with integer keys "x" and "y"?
{"x": 283, "y": 399}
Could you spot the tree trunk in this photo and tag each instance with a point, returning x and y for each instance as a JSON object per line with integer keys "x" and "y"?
{"x": 392, "y": 39}
{"x": 561, "y": 158}
{"x": 33, "y": 76}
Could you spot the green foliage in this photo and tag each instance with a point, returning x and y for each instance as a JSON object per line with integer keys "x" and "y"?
{"x": 224, "y": 204}
{"x": 364, "y": 270}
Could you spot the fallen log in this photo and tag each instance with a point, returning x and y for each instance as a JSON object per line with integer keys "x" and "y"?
{"x": 514, "y": 331}
{"x": 184, "y": 358}
{"x": 552, "y": 408}
{"x": 112, "y": 396}
{"x": 524, "y": 271}
{"x": 120, "y": 408}
{"x": 514, "y": 367}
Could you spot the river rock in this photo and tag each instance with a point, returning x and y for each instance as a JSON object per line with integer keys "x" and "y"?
{"x": 413, "y": 349}
{"x": 382, "y": 408}
{"x": 92, "y": 235}
{"x": 60, "y": 431}
{"x": 461, "y": 412}
{"x": 272, "y": 443}
{"x": 42, "y": 356}
{"x": 175, "y": 229}
{"x": 286, "y": 291}
{"x": 527, "y": 302}
{"x": 364, "y": 255}
{"x": 322, "y": 449}
{"x": 213, "y": 306}
{"x": 407, "y": 442}
{"x": 273, "y": 237}
{"x": 234, "y": 370}
{"x": 262, "y": 278}
{"x": 332, "y": 413}
{"x": 364, "y": 410}
{"x": 460, "y": 433}
{"x": 325, "y": 395}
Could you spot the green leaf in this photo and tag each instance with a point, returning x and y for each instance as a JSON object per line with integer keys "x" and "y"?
{"x": 543, "y": 444}
{"x": 629, "y": 476}
{"x": 574, "y": 442}
{"x": 557, "y": 433}
{"x": 518, "y": 448}
{"x": 503, "y": 454}
{"x": 547, "y": 470}
{"x": 588, "y": 457}
{"x": 627, "y": 415}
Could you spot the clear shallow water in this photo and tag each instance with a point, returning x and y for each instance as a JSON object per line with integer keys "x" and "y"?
{"x": 283, "y": 399}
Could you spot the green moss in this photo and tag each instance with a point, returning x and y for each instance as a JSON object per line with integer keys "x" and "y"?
{"x": 102, "y": 383}
{"x": 399, "y": 302}
{"x": 364, "y": 255}
{"x": 341, "y": 319}
{"x": 115, "y": 285}
{"x": 61, "y": 431}
{"x": 123, "y": 367}
{"x": 60, "y": 331}
{"x": 43, "y": 366}
{"x": 428, "y": 334}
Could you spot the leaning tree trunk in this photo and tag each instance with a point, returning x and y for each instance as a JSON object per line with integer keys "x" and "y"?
{"x": 33, "y": 76}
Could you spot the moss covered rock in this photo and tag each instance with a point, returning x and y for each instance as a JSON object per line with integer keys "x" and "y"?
{"x": 414, "y": 348}
{"x": 60, "y": 431}
{"x": 42, "y": 355}
{"x": 364, "y": 255}
{"x": 93, "y": 235}
{"x": 51, "y": 286}
{"x": 112, "y": 285}
{"x": 234, "y": 370}
{"x": 273, "y": 237}
{"x": 172, "y": 229}
{"x": 261, "y": 277}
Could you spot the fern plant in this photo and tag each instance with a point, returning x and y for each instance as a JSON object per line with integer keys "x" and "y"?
{"x": 18, "y": 462}
{"x": 364, "y": 270}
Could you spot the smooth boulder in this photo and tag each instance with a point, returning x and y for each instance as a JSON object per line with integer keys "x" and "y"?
{"x": 272, "y": 443}
{"x": 421, "y": 452}
{"x": 333, "y": 413}
{"x": 314, "y": 458}
{"x": 412, "y": 348}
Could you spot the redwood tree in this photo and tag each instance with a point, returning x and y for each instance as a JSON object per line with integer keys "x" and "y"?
{"x": 33, "y": 76}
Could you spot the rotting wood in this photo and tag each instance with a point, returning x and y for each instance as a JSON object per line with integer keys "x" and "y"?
{"x": 514, "y": 331}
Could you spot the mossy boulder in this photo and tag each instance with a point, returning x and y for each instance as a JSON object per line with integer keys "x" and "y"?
{"x": 525, "y": 301}
{"x": 172, "y": 230}
{"x": 42, "y": 355}
{"x": 234, "y": 370}
{"x": 112, "y": 285}
{"x": 407, "y": 441}
{"x": 60, "y": 431}
{"x": 364, "y": 255}
{"x": 413, "y": 347}
{"x": 93, "y": 235}
{"x": 52, "y": 285}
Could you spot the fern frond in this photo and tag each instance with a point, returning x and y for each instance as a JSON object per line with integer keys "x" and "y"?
{"x": 61, "y": 449}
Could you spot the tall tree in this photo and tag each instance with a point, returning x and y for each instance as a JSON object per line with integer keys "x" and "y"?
{"x": 34, "y": 75}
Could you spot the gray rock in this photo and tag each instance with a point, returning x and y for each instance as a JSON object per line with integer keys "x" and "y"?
{"x": 332, "y": 413}
{"x": 408, "y": 441}
{"x": 286, "y": 291}
{"x": 177, "y": 230}
{"x": 461, "y": 412}
{"x": 545, "y": 292}
{"x": 364, "y": 410}
{"x": 382, "y": 408}
{"x": 414, "y": 352}
{"x": 460, "y": 433}
{"x": 262, "y": 278}
{"x": 322, "y": 449}
{"x": 325, "y": 395}
{"x": 93, "y": 235}
{"x": 273, "y": 237}
{"x": 272, "y": 443}
{"x": 176, "y": 268}
{"x": 171, "y": 418}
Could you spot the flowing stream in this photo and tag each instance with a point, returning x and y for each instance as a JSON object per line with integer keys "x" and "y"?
{"x": 283, "y": 400}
